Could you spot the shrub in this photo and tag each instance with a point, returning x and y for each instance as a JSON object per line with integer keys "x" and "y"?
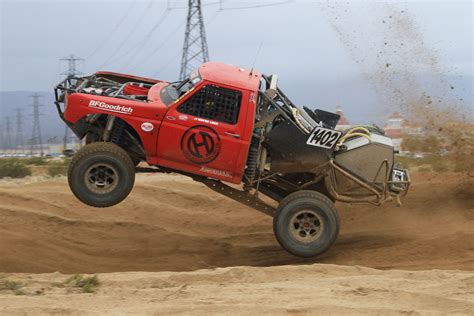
{"x": 13, "y": 286}
{"x": 13, "y": 168}
{"x": 464, "y": 163}
{"x": 424, "y": 169}
{"x": 87, "y": 284}
{"x": 37, "y": 161}
{"x": 56, "y": 168}
{"x": 440, "y": 167}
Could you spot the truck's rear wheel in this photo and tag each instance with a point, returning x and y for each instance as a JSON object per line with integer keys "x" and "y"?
{"x": 101, "y": 174}
{"x": 306, "y": 223}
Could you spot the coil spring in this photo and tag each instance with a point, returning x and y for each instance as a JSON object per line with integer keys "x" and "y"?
{"x": 251, "y": 169}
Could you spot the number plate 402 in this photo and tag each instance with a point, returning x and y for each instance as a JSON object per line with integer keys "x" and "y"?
{"x": 323, "y": 137}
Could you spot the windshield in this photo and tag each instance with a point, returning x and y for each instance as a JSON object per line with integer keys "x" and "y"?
{"x": 177, "y": 89}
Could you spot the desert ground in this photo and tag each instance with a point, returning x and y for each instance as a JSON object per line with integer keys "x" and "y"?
{"x": 175, "y": 246}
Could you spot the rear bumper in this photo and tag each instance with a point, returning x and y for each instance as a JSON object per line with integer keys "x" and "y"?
{"x": 395, "y": 184}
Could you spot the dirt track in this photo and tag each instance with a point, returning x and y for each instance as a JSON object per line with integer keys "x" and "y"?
{"x": 170, "y": 223}
{"x": 308, "y": 290}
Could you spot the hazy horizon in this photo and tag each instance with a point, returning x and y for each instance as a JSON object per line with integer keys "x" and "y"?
{"x": 370, "y": 58}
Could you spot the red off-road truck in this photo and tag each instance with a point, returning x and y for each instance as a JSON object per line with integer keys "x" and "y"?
{"x": 234, "y": 125}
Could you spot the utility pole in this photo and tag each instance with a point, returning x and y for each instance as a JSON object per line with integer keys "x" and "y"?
{"x": 19, "y": 132}
{"x": 70, "y": 73}
{"x": 8, "y": 133}
{"x": 2, "y": 139}
{"x": 195, "y": 44}
{"x": 36, "y": 140}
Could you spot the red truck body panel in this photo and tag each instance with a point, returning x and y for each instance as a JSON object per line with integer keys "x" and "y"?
{"x": 181, "y": 141}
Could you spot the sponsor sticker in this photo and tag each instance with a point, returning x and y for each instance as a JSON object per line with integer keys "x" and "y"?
{"x": 217, "y": 172}
{"x": 200, "y": 144}
{"x": 205, "y": 121}
{"x": 183, "y": 117}
{"x": 147, "y": 126}
{"x": 252, "y": 98}
{"x": 110, "y": 107}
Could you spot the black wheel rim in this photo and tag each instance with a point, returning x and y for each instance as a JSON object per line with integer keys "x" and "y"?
{"x": 306, "y": 226}
{"x": 101, "y": 178}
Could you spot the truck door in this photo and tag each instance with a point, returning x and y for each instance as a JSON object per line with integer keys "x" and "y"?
{"x": 203, "y": 133}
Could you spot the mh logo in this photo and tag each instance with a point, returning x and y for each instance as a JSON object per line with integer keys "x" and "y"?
{"x": 200, "y": 144}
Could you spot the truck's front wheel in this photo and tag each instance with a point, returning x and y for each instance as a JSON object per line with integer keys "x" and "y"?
{"x": 306, "y": 223}
{"x": 101, "y": 174}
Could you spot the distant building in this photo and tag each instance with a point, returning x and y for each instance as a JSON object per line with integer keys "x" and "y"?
{"x": 343, "y": 122}
{"x": 394, "y": 129}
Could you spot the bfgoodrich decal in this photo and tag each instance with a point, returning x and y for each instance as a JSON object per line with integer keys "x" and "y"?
{"x": 110, "y": 107}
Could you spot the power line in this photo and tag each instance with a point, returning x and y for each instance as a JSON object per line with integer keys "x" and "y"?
{"x": 114, "y": 29}
{"x": 157, "y": 48}
{"x": 139, "y": 47}
{"x": 168, "y": 63}
{"x": 202, "y": 5}
{"x": 258, "y": 5}
{"x": 129, "y": 34}
{"x": 195, "y": 44}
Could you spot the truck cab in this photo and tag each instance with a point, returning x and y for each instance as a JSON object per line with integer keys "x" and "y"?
{"x": 208, "y": 125}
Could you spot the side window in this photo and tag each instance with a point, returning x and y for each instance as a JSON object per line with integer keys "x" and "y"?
{"x": 214, "y": 103}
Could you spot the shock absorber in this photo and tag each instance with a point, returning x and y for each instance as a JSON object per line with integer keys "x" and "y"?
{"x": 118, "y": 134}
{"x": 252, "y": 161}
{"x": 251, "y": 169}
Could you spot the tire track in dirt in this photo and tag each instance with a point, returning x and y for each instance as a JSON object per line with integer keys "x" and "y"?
{"x": 173, "y": 223}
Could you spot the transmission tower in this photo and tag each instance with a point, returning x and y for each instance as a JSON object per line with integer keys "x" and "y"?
{"x": 36, "y": 140}
{"x": 2, "y": 139}
{"x": 19, "y": 131}
{"x": 70, "y": 73}
{"x": 195, "y": 44}
{"x": 8, "y": 133}
{"x": 71, "y": 62}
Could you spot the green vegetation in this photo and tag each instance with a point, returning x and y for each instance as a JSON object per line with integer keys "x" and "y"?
{"x": 58, "y": 168}
{"x": 431, "y": 162}
{"x": 87, "y": 284}
{"x": 36, "y": 161}
{"x": 453, "y": 152}
{"x": 21, "y": 167}
{"x": 13, "y": 168}
{"x": 464, "y": 163}
{"x": 13, "y": 286}
{"x": 429, "y": 144}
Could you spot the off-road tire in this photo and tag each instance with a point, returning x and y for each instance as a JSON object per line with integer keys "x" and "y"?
{"x": 97, "y": 154}
{"x": 286, "y": 220}
{"x": 136, "y": 161}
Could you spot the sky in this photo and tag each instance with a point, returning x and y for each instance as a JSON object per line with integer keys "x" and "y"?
{"x": 367, "y": 56}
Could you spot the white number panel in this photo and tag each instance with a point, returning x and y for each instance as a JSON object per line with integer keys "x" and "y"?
{"x": 323, "y": 137}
